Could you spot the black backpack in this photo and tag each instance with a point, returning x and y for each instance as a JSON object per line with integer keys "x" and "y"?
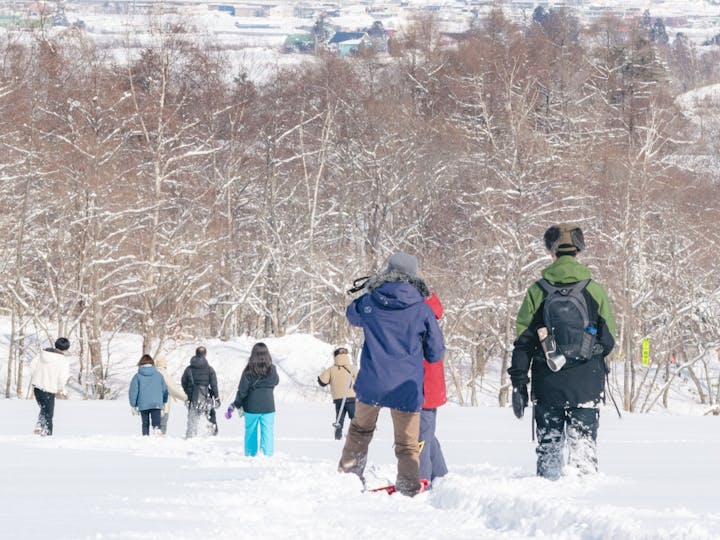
{"x": 200, "y": 395}
{"x": 566, "y": 316}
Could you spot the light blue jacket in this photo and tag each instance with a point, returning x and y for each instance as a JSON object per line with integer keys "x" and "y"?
{"x": 148, "y": 389}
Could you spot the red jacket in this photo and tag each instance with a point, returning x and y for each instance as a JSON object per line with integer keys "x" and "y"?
{"x": 434, "y": 381}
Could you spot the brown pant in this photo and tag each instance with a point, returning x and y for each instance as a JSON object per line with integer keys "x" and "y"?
{"x": 406, "y": 426}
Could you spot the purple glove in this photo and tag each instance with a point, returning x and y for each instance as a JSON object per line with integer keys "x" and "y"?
{"x": 228, "y": 413}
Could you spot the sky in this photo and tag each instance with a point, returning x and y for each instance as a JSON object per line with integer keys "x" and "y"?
{"x": 97, "y": 478}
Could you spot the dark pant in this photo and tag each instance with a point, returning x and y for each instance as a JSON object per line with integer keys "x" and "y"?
{"x": 46, "y": 400}
{"x": 348, "y": 408}
{"x": 148, "y": 415}
{"x": 557, "y": 425}
{"x": 432, "y": 461}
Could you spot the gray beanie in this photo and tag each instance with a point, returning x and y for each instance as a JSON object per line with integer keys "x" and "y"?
{"x": 403, "y": 263}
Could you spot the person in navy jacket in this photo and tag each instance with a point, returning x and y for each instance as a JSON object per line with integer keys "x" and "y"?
{"x": 400, "y": 330}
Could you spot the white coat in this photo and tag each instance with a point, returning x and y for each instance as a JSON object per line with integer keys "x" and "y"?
{"x": 174, "y": 389}
{"x": 50, "y": 371}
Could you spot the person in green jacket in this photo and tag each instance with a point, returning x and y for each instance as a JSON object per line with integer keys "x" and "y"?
{"x": 565, "y": 394}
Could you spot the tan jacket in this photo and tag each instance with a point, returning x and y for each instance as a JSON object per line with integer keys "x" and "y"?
{"x": 174, "y": 389}
{"x": 338, "y": 377}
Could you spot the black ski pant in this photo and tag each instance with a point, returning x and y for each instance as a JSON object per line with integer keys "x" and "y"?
{"x": 432, "y": 461}
{"x": 46, "y": 400}
{"x": 557, "y": 427}
{"x": 147, "y": 416}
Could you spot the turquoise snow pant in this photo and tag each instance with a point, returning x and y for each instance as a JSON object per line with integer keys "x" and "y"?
{"x": 266, "y": 423}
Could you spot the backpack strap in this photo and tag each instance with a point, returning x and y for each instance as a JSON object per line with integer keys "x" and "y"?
{"x": 550, "y": 288}
{"x": 568, "y": 289}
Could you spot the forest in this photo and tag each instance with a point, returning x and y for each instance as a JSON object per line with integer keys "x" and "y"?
{"x": 168, "y": 195}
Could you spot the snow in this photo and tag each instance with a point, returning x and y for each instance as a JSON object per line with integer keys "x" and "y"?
{"x": 698, "y": 105}
{"x": 698, "y": 102}
{"x": 97, "y": 478}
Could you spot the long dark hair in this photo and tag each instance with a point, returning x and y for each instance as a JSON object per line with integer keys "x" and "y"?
{"x": 260, "y": 360}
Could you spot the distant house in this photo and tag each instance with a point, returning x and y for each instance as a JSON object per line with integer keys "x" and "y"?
{"x": 227, "y": 9}
{"x": 258, "y": 9}
{"x": 379, "y": 37}
{"x": 304, "y": 11}
{"x": 299, "y": 43}
{"x": 347, "y": 43}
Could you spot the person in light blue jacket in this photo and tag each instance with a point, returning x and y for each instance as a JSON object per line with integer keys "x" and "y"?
{"x": 148, "y": 394}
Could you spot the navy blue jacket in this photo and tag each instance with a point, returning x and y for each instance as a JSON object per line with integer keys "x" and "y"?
{"x": 400, "y": 330}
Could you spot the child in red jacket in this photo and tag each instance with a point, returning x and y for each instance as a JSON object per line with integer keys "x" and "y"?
{"x": 432, "y": 461}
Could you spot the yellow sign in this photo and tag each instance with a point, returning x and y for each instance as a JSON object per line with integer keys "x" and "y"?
{"x": 646, "y": 351}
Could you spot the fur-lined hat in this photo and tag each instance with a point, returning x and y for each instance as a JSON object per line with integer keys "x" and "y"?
{"x": 564, "y": 239}
{"x": 400, "y": 267}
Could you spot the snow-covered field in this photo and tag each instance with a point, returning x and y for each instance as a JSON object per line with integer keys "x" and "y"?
{"x": 97, "y": 478}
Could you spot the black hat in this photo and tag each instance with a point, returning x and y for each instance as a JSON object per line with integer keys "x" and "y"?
{"x": 62, "y": 344}
{"x": 564, "y": 239}
{"x": 340, "y": 350}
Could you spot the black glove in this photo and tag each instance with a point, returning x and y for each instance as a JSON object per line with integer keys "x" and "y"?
{"x": 519, "y": 400}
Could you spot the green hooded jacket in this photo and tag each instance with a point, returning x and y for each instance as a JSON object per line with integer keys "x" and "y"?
{"x": 564, "y": 269}
{"x": 578, "y": 383}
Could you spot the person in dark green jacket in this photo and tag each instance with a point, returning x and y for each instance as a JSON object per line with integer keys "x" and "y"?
{"x": 566, "y": 401}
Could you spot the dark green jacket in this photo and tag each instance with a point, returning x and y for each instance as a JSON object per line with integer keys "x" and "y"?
{"x": 578, "y": 383}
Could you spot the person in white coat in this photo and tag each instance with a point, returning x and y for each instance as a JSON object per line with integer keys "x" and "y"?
{"x": 174, "y": 389}
{"x": 49, "y": 373}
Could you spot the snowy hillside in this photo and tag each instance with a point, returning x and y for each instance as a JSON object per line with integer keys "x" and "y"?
{"x": 701, "y": 106}
{"x": 299, "y": 358}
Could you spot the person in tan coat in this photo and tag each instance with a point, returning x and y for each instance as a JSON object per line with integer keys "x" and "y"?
{"x": 341, "y": 377}
{"x": 174, "y": 389}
